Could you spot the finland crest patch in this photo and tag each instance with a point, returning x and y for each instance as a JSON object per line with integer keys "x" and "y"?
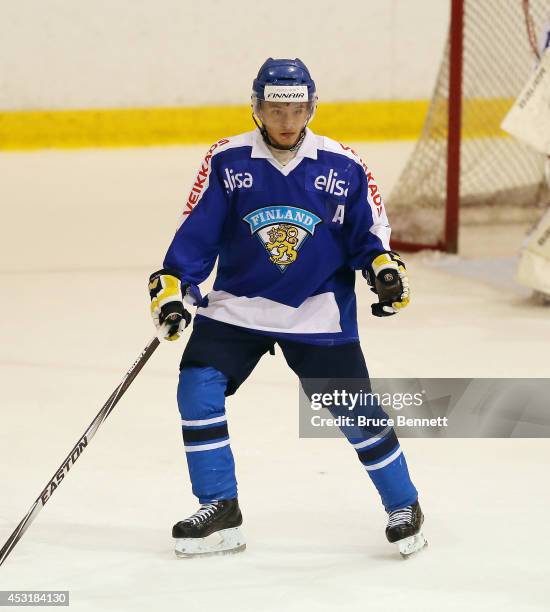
{"x": 282, "y": 230}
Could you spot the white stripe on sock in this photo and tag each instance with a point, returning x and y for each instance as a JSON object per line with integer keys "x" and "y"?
{"x": 372, "y": 440}
{"x": 205, "y": 447}
{"x": 386, "y": 461}
{"x": 219, "y": 419}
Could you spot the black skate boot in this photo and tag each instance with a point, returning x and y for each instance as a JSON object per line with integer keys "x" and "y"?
{"x": 219, "y": 519}
{"x": 404, "y": 529}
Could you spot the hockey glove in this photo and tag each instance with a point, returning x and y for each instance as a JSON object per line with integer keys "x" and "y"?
{"x": 167, "y": 296}
{"x": 387, "y": 277}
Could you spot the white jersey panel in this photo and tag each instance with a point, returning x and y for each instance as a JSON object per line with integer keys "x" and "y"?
{"x": 318, "y": 314}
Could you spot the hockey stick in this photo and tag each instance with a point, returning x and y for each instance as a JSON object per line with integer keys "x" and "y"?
{"x": 79, "y": 447}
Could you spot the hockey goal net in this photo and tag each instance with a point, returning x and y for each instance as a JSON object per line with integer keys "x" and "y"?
{"x": 463, "y": 165}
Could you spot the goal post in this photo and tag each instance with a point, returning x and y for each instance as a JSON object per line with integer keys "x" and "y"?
{"x": 464, "y": 168}
{"x": 456, "y": 37}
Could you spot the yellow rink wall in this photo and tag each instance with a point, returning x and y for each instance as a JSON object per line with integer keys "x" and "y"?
{"x": 346, "y": 121}
{"x": 374, "y": 120}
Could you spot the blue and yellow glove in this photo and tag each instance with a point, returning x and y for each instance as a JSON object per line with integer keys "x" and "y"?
{"x": 387, "y": 277}
{"x": 167, "y": 295}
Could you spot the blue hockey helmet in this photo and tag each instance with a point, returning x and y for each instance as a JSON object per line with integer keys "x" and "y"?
{"x": 284, "y": 80}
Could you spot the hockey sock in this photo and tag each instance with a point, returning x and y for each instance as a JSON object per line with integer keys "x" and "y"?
{"x": 383, "y": 459}
{"x": 380, "y": 454}
{"x": 201, "y": 402}
{"x": 392, "y": 480}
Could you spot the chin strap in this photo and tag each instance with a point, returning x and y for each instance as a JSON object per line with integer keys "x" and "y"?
{"x": 265, "y": 136}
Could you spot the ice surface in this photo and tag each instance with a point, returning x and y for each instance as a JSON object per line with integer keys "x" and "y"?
{"x": 81, "y": 232}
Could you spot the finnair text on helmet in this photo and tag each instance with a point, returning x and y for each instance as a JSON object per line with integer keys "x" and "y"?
{"x": 287, "y": 96}
{"x": 285, "y": 93}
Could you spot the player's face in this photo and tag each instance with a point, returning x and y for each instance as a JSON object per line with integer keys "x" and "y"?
{"x": 284, "y": 121}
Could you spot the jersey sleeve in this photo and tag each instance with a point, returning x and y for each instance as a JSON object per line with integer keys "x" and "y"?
{"x": 196, "y": 244}
{"x": 365, "y": 222}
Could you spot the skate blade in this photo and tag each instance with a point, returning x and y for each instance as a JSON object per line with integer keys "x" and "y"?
{"x": 411, "y": 545}
{"x": 224, "y": 542}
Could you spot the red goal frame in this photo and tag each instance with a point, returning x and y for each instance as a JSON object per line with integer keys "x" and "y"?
{"x": 452, "y": 208}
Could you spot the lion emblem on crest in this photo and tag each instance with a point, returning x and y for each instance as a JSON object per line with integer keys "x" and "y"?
{"x": 282, "y": 231}
{"x": 282, "y": 246}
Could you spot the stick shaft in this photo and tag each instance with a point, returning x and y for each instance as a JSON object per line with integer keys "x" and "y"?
{"x": 77, "y": 450}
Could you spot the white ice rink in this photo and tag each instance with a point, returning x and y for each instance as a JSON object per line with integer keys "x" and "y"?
{"x": 81, "y": 231}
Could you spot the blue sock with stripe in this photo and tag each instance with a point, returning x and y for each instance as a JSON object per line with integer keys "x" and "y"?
{"x": 390, "y": 475}
{"x": 380, "y": 454}
{"x": 201, "y": 402}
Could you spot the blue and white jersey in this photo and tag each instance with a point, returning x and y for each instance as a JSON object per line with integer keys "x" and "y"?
{"x": 288, "y": 239}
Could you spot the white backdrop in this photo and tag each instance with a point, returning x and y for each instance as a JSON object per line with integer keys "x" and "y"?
{"x": 127, "y": 53}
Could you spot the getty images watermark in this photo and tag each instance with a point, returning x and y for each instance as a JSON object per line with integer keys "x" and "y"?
{"x": 435, "y": 408}
{"x": 360, "y": 407}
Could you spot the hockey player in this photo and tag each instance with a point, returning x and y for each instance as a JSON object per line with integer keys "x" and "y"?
{"x": 290, "y": 216}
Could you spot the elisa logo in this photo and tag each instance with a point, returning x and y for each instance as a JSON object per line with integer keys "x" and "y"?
{"x": 331, "y": 184}
{"x": 237, "y": 180}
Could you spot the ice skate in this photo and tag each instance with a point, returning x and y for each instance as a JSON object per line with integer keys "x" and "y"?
{"x": 404, "y": 529}
{"x": 213, "y": 530}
